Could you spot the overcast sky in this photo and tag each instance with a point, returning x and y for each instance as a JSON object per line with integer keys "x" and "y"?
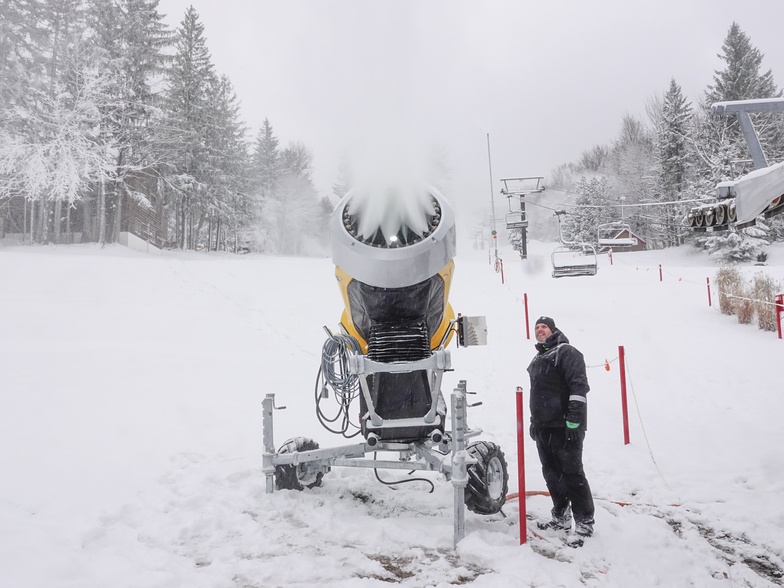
{"x": 388, "y": 78}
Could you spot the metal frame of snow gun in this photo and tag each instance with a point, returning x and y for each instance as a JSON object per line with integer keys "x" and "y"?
{"x": 449, "y": 456}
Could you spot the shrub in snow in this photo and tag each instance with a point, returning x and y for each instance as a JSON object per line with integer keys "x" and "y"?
{"x": 764, "y": 294}
{"x": 747, "y": 300}
{"x": 729, "y": 282}
{"x": 744, "y": 306}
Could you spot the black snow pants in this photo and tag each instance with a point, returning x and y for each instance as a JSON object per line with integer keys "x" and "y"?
{"x": 562, "y": 467}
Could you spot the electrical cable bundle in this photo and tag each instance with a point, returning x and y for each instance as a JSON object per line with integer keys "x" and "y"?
{"x": 334, "y": 373}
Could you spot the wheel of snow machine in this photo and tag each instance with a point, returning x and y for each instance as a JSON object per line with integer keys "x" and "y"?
{"x": 487, "y": 478}
{"x": 297, "y": 477}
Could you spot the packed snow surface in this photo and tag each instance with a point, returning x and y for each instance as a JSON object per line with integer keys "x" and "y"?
{"x": 131, "y": 439}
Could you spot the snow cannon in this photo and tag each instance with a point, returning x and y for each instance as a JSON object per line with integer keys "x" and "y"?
{"x": 393, "y": 251}
{"x": 393, "y": 263}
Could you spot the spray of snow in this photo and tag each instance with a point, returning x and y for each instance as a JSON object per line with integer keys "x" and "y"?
{"x": 389, "y": 176}
{"x": 391, "y": 159}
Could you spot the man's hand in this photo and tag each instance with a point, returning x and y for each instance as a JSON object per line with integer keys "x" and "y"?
{"x": 573, "y": 431}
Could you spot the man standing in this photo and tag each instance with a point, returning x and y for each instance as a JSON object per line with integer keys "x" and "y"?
{"x": 558, "y": 423}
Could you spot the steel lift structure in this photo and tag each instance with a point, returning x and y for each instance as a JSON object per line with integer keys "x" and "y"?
{"x": 515, "y": 190}
{"x": 739, "y": 202}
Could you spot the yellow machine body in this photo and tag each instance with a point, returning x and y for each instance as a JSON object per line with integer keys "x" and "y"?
{"x": 348, "y": 324}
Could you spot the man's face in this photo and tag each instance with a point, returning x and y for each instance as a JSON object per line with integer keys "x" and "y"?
{"x": 542, "y": 332}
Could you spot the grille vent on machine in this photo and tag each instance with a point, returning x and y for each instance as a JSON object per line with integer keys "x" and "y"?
{"x": 398, "y": 342}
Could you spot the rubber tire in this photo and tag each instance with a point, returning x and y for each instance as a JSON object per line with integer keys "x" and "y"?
{"x": 289, "y": 477}
{"x": 482, "y": 494}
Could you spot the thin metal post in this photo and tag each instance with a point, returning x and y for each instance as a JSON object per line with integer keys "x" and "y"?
{"x": 459, "y": 469}
{"x": 709, "y": 298}
{"x": 269, "y": 444}
{"x": 624, "y": 405}
{"x": 521, "y": 466}
{"x": 492, "y": 199}
{"x": 527, "y": 324}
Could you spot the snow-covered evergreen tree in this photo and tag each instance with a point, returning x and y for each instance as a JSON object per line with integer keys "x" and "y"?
{"x": 591, "y": 210}
{"x": 267, "y": 165}
{"x": 131, "y": 39}
{"x": 190, "y": 77}
{"x": 226, "y": 207}
{"x": 672, "y": 120}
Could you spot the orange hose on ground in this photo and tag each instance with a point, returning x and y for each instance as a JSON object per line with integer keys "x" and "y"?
{"x": 543, "y": 493}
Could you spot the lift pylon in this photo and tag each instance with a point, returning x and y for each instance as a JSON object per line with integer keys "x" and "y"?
{"x": 515, "y": 190}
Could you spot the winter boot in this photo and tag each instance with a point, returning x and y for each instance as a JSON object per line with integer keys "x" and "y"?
{"x": 561, "y": 522}
{"x": 584, "y": 529}
{"x": 581, "y": 532}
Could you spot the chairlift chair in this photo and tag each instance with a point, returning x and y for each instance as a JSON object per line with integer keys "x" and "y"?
{"x": 573, "y": 259}
{"x": 569, "y": 260}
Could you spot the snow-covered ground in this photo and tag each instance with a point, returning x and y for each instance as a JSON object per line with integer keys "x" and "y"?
{"x": 130, "y": 428}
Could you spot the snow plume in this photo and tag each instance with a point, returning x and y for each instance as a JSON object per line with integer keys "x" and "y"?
{"x": 389, "y": 177}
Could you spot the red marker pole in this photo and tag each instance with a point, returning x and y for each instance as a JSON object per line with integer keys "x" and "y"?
{"x": 779, "y": 310}
{"x": 527, "y": 326}
{"x": 624, "y": 406}
{"x": 521, "y": 466}
{"x": 709, "y": 298}
{"x": 502, "y": 270}
{"x": 660, "y": 274}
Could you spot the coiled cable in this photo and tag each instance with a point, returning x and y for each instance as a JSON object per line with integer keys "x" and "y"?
{"x": 334, "y": 373}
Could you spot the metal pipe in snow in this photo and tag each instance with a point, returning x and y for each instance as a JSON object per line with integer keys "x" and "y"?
{"x": 527, "y": 324}
{"x": 624, "y": 405}
{"x": 521, "y": 466}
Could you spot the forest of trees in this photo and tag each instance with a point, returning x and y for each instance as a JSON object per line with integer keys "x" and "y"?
{"x": 678, "y": 154}
{"x": 110, "y": 121}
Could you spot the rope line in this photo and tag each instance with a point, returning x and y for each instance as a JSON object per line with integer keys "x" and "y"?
{"x": 642, "y": 426}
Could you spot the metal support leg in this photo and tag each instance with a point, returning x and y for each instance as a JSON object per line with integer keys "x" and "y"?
{"x": 269, "y": 445}
{"x": 459, "y": 469}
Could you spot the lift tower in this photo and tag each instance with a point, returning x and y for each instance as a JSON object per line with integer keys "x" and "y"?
{"x": 515, "y": 190}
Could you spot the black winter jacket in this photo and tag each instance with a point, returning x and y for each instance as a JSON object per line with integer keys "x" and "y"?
{"x": 558, "y": 384}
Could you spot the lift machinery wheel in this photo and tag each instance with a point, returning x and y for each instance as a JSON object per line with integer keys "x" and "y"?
{"x": 301, "y": 476}
{"x": 488, "y": 478}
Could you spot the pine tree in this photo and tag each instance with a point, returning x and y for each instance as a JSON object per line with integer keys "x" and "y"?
{"x": 190, "y": 77}
{"x": 673, "y": 123}
{"x": 266, "y": 162}
{"x": 226, "y": 207}
{"x": 724, "y": 153}
{"x": 590, "y": 212}
{"x": 131, "y": 40}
